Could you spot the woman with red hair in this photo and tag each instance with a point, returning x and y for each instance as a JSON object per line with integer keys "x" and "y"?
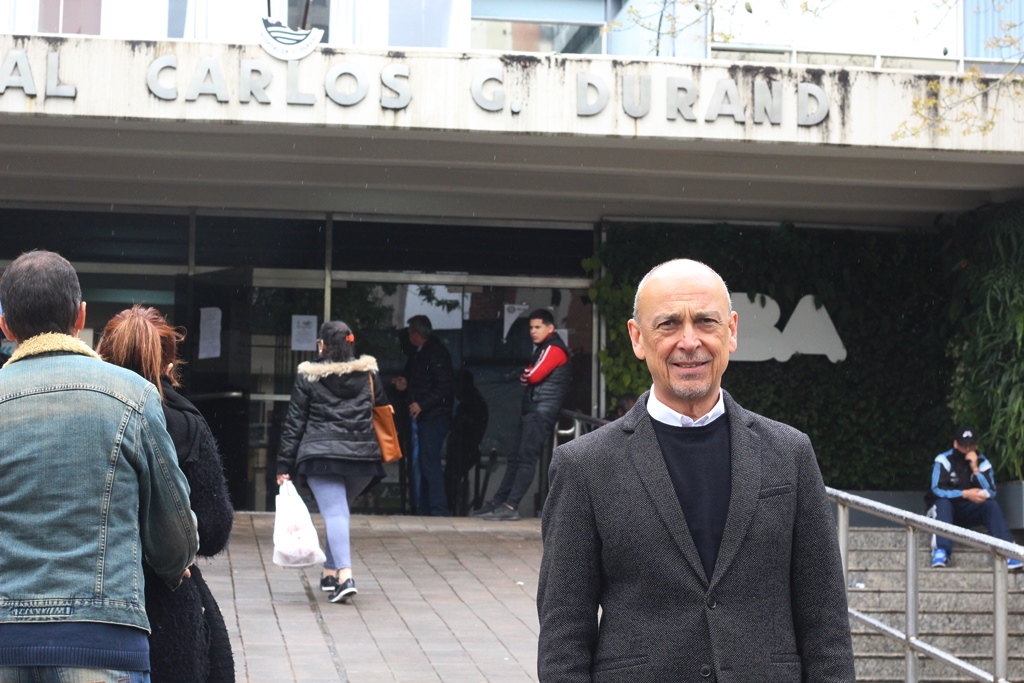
{"x": 188, "y": 639}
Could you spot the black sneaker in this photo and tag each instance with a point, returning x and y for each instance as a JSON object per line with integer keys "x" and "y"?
{"x": 485, "y": 509}
{"x": 503, "y": 513}
{"x": 328, "y": 583}
{"x": 344, "y": 591}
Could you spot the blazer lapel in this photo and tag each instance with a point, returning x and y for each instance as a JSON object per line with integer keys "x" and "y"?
{"x": 645, "y": 453}
{"x": 745, "y": 452}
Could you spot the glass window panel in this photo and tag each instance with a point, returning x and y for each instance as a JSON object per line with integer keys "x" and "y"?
{"x": 177, "y": 10}
{"x": 419, "y": 23}
{"x": 81, "y": 17}
{"x": 369, "y": 309}
{"x": 259, "y": 242}
{"x": 96, "y": 237}
{"x": 460, "y": 249}
{"x": 319, "y": 15}
{"x": 49, "y": 16}
{"x": 108, "y": 294}
{"x": 70, "y": 16}
{"x": 562, "y": 11}
{"x": 521, "y": 36}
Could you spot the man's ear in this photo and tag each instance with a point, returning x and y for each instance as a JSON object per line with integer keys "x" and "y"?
{"x": 6, "y": 330}
{"x": 80, "y": 318}
{"x": 635, "y": 338}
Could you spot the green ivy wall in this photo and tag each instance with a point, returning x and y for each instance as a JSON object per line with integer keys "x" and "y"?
{"x": 876, "y": 419}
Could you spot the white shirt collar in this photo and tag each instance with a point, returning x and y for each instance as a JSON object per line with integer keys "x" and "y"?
{"x": 662, "y": 413}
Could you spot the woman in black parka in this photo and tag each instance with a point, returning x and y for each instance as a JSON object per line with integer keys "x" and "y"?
{"x": 188, "y": 641}
{"x": 329, "y": 441}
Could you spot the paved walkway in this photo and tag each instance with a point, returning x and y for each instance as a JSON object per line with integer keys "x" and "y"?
{"x": 440, "y": 599}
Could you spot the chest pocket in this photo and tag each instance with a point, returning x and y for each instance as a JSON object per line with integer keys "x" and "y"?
{"x": 775, "y": 491}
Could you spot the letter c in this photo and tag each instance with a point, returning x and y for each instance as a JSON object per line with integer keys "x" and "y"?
{"x": 153, "y": 77}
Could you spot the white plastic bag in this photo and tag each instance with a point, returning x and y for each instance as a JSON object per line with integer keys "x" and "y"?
{"x": 296, "y": 543}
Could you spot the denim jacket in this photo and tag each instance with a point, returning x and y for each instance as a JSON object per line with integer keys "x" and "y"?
{"x": 89, "y": 487}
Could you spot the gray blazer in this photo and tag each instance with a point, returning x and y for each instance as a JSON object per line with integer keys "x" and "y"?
{"x": 615, "y": 540}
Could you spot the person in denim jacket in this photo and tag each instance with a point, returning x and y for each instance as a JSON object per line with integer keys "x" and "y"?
{"x": 89, "y": 488}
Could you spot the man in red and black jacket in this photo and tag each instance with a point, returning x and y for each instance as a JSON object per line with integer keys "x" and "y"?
{"x": 546, "y": 379}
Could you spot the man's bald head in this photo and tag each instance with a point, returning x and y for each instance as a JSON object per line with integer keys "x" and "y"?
{"x": 674, "y": 267}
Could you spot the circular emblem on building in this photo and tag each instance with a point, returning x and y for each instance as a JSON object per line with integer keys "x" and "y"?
{"x": 285, "y": 43}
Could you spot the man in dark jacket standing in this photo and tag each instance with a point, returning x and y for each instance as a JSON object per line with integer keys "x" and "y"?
{"x": 690, "y": 540}
{"x": 430, "y": 382}
{"x": 546, "y": 380}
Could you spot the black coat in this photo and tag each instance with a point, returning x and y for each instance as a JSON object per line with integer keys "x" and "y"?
{"x": 330, "y": 414}
{"x": 431, "y": 379}
{"x": 189, "y": 639}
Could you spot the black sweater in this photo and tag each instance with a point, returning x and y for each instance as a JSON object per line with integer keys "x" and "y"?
{"x": 699, "y": 464}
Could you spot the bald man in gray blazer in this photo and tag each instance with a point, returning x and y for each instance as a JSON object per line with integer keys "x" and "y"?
{"x": 690, "y": 540}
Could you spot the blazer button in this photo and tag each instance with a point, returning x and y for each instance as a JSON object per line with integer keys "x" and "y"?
{"x": 712, "y": 603}
{"x": 705, "y": 671}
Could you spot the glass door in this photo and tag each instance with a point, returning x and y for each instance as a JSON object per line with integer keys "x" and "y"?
{"x": 216, "y": 309}
{"x": 485, "y": 329}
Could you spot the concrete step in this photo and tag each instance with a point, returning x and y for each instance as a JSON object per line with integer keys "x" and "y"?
{"x": 927, "y": 601}
{"x": 887, "y": 558}
{"x": 866, "y": 640}
{"x": 878, "y": 667}
{"x": 875, "y": 538}
{"x": 868, "y": 537}
{"x": 949, "y": 622}
{"x": 950, "y": 579}
{"x": 955, "y": 607}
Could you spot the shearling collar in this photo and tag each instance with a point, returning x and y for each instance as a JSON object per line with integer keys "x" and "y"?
{"x": 314, "y": 371}
{"x": 48, "y": 342}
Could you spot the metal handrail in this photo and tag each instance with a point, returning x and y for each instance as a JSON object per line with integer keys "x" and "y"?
{"x": 1000, "y": 550}
{"x": 581, "y": 424}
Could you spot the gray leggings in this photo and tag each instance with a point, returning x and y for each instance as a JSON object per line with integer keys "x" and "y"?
{"x": 334, "y": 496}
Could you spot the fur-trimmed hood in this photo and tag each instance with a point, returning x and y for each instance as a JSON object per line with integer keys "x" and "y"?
{"x": 313, "y": 370}
{"x": 329, "y": 416}
{"x": 51, "y": 342}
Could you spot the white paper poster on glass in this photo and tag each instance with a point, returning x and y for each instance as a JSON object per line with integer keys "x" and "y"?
{"x": 304, "y": 333}
{"x": 512, "y": 313}
{"x": 209, "y": 332}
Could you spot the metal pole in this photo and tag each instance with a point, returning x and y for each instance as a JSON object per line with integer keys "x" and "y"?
{"x": 843, "y": 513}
{"x": 328, "y": 263}
{"x": 911, "y": 604}
{"x": 602, "y": 331}
{"x": 191, "y": 242}
{"x": 961, "y": 42}
{"x": 595, "y": 337}
{"x": 305, "y": 15}
{"x": 999, "y": 578}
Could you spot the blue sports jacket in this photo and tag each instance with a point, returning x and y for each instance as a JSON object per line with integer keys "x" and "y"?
{"x": 952, "y": 474}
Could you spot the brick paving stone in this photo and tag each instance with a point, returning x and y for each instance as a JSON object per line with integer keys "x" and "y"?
{"x": 441, "y": 599}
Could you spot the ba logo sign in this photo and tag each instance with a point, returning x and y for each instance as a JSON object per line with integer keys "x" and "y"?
{"x": 809, "y": 330}
{"x": 287, "y": 44}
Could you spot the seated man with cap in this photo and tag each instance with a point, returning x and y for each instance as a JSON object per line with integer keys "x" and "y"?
{"x": 963, "y": 492}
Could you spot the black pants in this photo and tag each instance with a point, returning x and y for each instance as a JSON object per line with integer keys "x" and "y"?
{"x": 535, "y": 430}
